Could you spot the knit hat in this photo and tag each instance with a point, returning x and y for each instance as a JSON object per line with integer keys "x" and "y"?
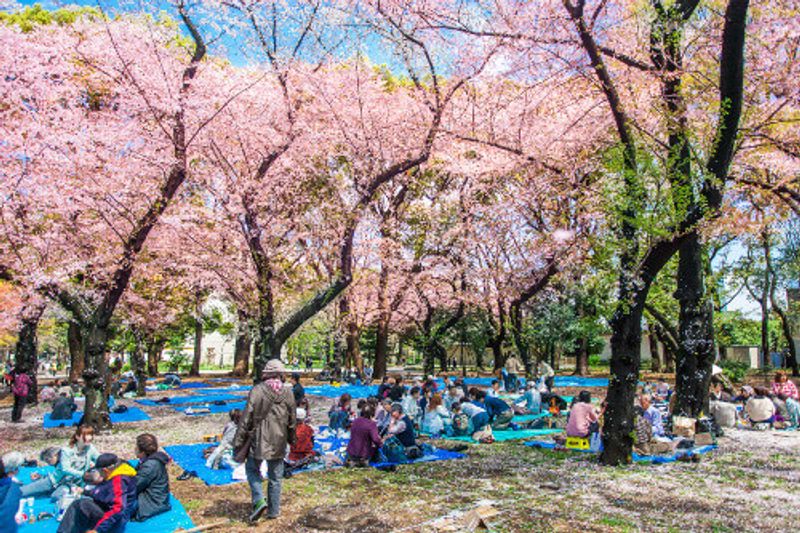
{"x": 12, "y": 461}
{"x": 301, "y": 413}
{"x": 274, "y": 366}
{"x": 105, "y": 460}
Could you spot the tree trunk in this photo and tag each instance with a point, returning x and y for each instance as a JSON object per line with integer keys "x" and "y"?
{"x": 655, "y": 354}
{"x": 497, "y": 352}
{"x": 138, "y": 366}
{"x": 241, "y": 354}
{"x": 765, "y": 320}
{"x": 95, "y": 378}
{"x": 76, "y": 356}
{"x": 198, "y": 339}
{"x": 520, "y": 341}
{"x": 582, "y": 358}
{"x": 626, "y": 342}
{"x": 155, "y": 346}
{"x": 25, "y": 354}
{"x": 381, "y": 350}
{"x": 696, "y": 352}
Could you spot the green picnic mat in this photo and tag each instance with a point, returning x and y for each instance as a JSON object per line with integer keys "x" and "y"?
{"x": 501, "y": 435}
{"x": 521, "y": 419}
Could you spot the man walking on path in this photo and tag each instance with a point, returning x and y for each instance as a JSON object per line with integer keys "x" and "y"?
{"x": 266, "y": 428}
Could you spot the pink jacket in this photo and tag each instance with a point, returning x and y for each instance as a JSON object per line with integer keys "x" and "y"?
{"x": 786, "y": 388}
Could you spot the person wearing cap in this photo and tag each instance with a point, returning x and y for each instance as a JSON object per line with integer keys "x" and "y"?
{"x": 531, "y": 400}
{"x": 268, "y": 423}
{"x": 110, "y": 505}
{"x": 10, "y": 493}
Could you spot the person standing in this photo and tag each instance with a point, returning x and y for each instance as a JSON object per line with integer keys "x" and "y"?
{"x": 266, "y": 428}
{"x": 21, "y": 388}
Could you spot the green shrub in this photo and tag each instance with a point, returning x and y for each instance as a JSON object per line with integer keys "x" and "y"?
{"x": 594, "y": 360}
{"x": 736, "y": 371}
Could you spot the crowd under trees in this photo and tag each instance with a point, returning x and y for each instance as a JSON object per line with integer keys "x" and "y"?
{"x": 456, "y": 172}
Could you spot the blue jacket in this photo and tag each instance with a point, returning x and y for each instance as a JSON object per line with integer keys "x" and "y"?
{"x": 406, "y": 438}
{"x": 117, "y": 497}
{"x": 9, "y": 503}
{"x": 495, "y": 406}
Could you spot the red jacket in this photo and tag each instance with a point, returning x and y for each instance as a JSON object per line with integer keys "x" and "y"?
{"x": 304, "y": 442}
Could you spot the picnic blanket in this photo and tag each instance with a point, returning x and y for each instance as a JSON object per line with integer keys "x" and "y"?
{"x": 133, "y": 414}
{"x": 502, "y": 435}
{"x": 176, "y": 518}
{"x": 524, "y": 419}
{"x": 190, "y": 458}
{"x": 190, "y": 385}
{"x": 195, "y": 399}
{"x": 232, "y": 389}
{"x": 212, "y": 409}
{"x": 654, "y": 459}
{"x": 330, "y": 391}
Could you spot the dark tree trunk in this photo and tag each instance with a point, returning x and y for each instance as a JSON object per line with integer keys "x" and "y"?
{"x": 381, "y": 350}
{"x": 497, "y": 352}
{"x": 626, "y": 340}
{"x": 520, "y": 341}
{"x": 25, "y": 351}
{"x": 76, "y": 356}
{"x": 696, "y": 352}
{"x": 138, "y": 365}
{"x": 198, "y": 338}
{"x": 95, "y": 378}
{"x": 241, "y": 353}
{"x": 155, "y": 346}
{"x": 655, "y": 353}
{"x": 582, "y": 358}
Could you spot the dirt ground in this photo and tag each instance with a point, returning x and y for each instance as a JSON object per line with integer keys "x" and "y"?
{"x": 749, "y": 484}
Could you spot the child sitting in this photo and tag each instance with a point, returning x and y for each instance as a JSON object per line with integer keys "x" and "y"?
{"x": 223, "y": 453}
{"x": 460, "y": 421}
{"x": 301, "y": 452}
{"x": 107, "y": 507}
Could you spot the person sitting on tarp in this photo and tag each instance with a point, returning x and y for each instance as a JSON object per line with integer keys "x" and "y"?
{"x": 718, "y": 394}
{"x": 476, "y": 411}
{"x": 172, "y": 380}
{"x": 383, "y": 415}
{"x": 10, "y": 494}
{"x": 411, "y": 406}
{"x": 364, "y": 439}
{"x": 301, "y": 451}
{"x": 63, "y": 408}
{"x": 500, "y": 413}
{"x": 530, "y": 402}
{"x": 386, "y": 385}
{"x": 452, "y": 395}
{"x": 152, "y": 480}
{"x": 652, "y": 414}
{"x": 437, "y": 418}
{"x": 398, "y": 390}
{"x": 583, "y": 419}
{"x": 222, "y": 454}
{"x": 645, "y": 443}
{"x": 340, "y": 414}
{"x": 783, "y": 386}
{"x": 760, "y": 410}
{"x": 109, "y": 506}
{"x": 401, "y": 443}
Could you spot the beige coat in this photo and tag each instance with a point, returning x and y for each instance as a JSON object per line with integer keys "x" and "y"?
{"x": 272, "y": 417}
